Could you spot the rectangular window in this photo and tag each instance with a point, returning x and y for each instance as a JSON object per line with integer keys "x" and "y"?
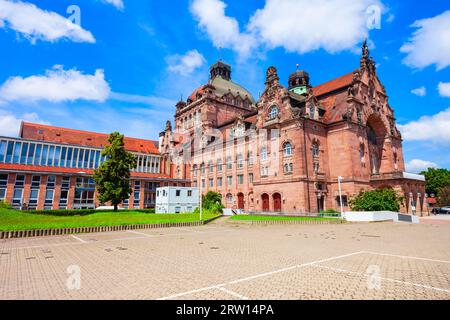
{"x": 51, "y": 156}
{"x": 189, "y": 193}
{"x": 86, "y": 159}
{"x": 51, "y": 180}
{"x": 31, "y": 153}
{"x": 23, "y": 154}
{"x": 97, "y": 159}
{"x": 65, "y": 183}
{"x": 20, "y": 180}
{"x": 63, "y": 157}
{"x": 344, "y": 201}
{"x": 16, "y": 155}
{"x": 240, "y": 161}
{"x": 250, "y": 158}
{"x": 250, "y": 178}
{"x": 229, "y": 163}
{"x": 34, "y": 197}
{"x": 219, "y": 182}
{"x": 219, "y": 165}
{"x": 240, "y": 179}
{"x": 35, "y": 182}
{"x": 211, "y": 183}
{"x": 75, "y": 163}
{"x": 2, "y": 193}
{"x": 203, "y": 183}
{"x": 3, "y": 180}
{"x": 69, "y": 157}
{"x": 57, "y": 157}
{"x": 44, "y": 155}
{"x": 63, "y": 199}
{"x": 49, "y": 199}
{"x": 178, "y": 193}
{"x": 177, "y": 209}
{"x": 229, "y": 180}
{"x": 37, "y": 157}
{"x": 92, "y": 159}
{"x": 17, "y": 198}
{"x": 3, "y": 145}
{"x": 80, "y": 158}
{"x": 9, "y": 151}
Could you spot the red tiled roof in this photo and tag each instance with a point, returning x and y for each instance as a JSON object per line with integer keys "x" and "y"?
{"x": 58, "y": 170}
{"x": 83, "y": 138}
{"x": 333, "y": 85}
{"x": 431, "y": 200}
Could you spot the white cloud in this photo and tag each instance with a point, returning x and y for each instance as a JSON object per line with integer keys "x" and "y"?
{"x": 434, "y": 129}
{"x": 444, "y": 89}
{"x": 57, "y": 85}
{"x": 421, "y": 92}
{"x": 222, "y": 30}
{"x": 37, "y": 24}
{"x": 116, "y": 3}
{"x": 418, "y": 165}
{"x": 10, "y": 124}
{"x": 296, "y": 25}
{"x": 304, "y": 25}
{"x": 430, "y": 43}
{"x": 185, "y": 64}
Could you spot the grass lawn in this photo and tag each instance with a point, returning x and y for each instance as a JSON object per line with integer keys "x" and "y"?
{"x": 11, "y": 220}
{"x": 277, "y": 218}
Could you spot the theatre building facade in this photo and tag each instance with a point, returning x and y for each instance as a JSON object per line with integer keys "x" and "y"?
{"x": 287, "y": 151}
{"x": 49, "y": 168}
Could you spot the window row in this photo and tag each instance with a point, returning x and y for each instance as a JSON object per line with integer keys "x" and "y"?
{"x": 40, "y": 154}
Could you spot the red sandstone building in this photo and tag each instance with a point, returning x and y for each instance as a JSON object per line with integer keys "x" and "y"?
{"x": 282, "y": 153}
{"x": 285, "y": 152}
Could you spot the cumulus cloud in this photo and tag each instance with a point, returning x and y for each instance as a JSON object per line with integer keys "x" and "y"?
{"x": 116, "y": 3}
{"x": 296, "y": 25}
{"x": 418, "y": 165}
{"x": 444, "y": 89}
{"x": 37, "y": 24}
{"x": 304, "y": 25}
{"x": 187, "y": 63}
{"x": 430, "y": 43}
{"x": 421, "y": 92}
{"x": 57, "y": 85}
{"x": 10, "y": 124}
{"x": 223, "y": 30}
{"x": 435, "y": 128}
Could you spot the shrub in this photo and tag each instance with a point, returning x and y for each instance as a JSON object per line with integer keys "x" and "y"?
{"x": 212, "y": 201}
{"x": 376, "y": 200}
{"x": 5, "y": 205}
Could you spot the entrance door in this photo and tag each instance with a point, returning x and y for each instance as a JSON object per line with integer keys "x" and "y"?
{"x": 277, "y": 202}
{"x": 265, "y": 202}
{"x": 240, "y": 201}
{"x": 320, "y": 205}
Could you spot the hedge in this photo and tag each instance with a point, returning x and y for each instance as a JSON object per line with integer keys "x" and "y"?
{"x": 83, "y": 212}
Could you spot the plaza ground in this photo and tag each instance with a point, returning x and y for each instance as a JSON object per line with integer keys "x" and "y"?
{"x": 230, "y": 260}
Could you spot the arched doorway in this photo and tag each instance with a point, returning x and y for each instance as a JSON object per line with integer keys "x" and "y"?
{"x": 240, "y": 200}
{"x": 276, "y": 202}
{"x": 376, "y": 133}
{"x": 265, "y": 202}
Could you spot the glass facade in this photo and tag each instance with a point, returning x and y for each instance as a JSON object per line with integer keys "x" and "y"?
{"x": 16, "y": 151}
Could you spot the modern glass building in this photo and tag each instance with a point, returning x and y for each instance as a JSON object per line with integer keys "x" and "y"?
{"x": 48, "y": 168}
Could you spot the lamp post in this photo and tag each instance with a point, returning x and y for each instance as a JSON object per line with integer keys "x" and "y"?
{"x": 201, "y": 196}
{"x": 340, "y": 195}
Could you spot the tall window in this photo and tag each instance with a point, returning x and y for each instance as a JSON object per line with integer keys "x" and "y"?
{"x": 194, "y": 170}
{"x": 250, "y": 158}
{"x": 229, "y": 163}
{"x": 219, "y": 182}
{"x": 273, "y": 112}
{"x": 315, "y": 150}
{"x": 240, "y": 179}
{"x": 219, "y": 165}
{"x": 229, "y": 198}
{"x": 264, "y": 154}
{"x": 287, "y": 149}
{"x": 3, "y": 185}
{"x": 229, "y": 181}
{"x": 211, "y": 166}
{"x": 250, "y": 178}
{"x": 240, "y": 161}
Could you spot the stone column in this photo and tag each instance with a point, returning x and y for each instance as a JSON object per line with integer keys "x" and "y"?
{"x": 419, "y": 209}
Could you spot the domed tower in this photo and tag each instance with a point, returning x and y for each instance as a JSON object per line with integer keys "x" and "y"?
{"x": 299, "y": 82}
{"x": 221, "y": 69}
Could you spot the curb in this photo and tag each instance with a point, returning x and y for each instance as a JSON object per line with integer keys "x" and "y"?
{"x": 312, "y": 222}
{"x": 66, "y": 231}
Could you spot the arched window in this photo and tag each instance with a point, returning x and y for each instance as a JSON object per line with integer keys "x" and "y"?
{"x": 229, "y": 198}
{"x": 315, "y": 149}
{"x": 194, "y": 170}
{"x": 362, "y": 152}
{"x": 202, "y": 168}
{"x": 273, "y": 112}
{"x": 287, "y": 149}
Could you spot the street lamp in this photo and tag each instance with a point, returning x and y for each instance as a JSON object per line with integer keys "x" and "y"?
{"x": 340, "y": 195}
{"x": 201, "y": 197}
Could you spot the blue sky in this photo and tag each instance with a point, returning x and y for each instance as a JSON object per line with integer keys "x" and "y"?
{"x": 128, "y": 62}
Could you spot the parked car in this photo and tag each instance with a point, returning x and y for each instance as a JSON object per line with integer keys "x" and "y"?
{"x": 443, "y": 210}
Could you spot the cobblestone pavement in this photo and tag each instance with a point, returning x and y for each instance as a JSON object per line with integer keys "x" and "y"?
{"x": 233, "y": 261}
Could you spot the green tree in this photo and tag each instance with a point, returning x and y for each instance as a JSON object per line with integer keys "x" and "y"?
{"x": 212, "y": 201}
{"x": 376, "y": 200}
{"x": 112, "y": 178}
{"x": 444, "y": 196}
{"x": 436, "y": 179}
